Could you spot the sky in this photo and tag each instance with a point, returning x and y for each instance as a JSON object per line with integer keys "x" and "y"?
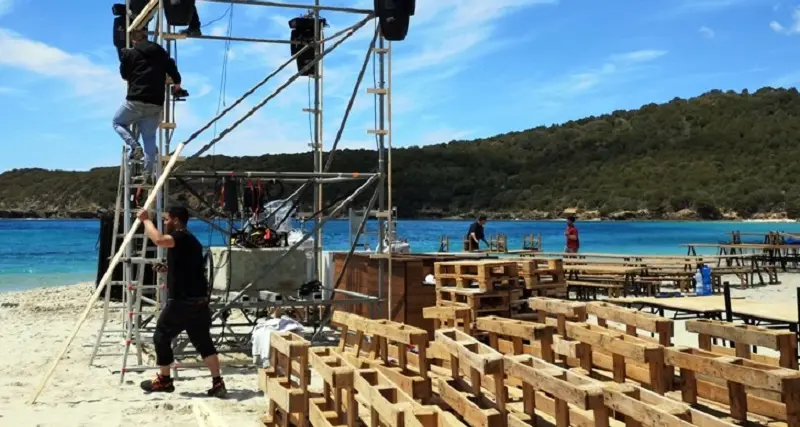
{"x": 468, "y": 69}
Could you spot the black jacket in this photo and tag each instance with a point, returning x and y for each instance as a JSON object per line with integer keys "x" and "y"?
{"x": 146, "y": 67}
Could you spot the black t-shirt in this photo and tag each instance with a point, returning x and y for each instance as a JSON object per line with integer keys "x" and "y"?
{"x": 185, "y": 267}
{"x": 476, "y": 228}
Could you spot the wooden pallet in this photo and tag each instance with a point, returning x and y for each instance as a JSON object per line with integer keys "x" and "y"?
{"x": 287, "y": 380}
{"x": 467, "y": 398}
{"x": 387, "y": 404}
{"x": 449, "y": 317}
{"x": 396, "y": 349}
{"x": 745, "y": 337}
{"x": 743, "y": 385}
{"x": 478, "y": 301}
{"x": 573, "y": 398}
{"x": 633, "y": 320}
{"x": 517, "y": 337}
{"x": 337, "y": 405}
{"x": 482, "y": 274}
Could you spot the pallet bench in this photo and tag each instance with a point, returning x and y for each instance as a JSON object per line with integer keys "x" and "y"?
{"x": 286, "y": 381}
{"x": 337, "y": 405}
{"x": 745, "y": 337}
{"x": 478, "y": 361}
{"x": 394, "y": 349}
{"x": 449, "y": 317}
{"x": 633, "y": 320}
{"x": 743, "y": 379}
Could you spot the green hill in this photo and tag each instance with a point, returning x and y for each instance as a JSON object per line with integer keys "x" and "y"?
{"x": 719, "y": 153}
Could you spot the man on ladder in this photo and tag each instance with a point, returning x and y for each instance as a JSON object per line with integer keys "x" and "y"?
{"x": 145, "y": 67}
{"x": 187, "y": 301}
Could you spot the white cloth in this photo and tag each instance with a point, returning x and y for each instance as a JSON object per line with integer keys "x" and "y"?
{"x": 262, "y": 335}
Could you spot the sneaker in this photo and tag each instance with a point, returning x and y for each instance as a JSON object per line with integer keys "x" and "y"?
{"x": 137, "y": 154}
{"x": 191, "y": 32}
{"x": 158, "y": 384}
{"x": 218, "y": 389}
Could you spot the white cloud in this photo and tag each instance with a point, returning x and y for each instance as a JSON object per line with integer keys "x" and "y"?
{"x": 794, "y": 28}
{"x": 707, "y": 32}
{"x": 5, "y": 6}
{"x": 577, "y": 83}
{"x": 84, "y": 77}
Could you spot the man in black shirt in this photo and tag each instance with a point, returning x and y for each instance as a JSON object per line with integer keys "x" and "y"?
{"x": 145, "y": 67}
{"x": 187, "y": 301}
{"x": 475, "y": 235}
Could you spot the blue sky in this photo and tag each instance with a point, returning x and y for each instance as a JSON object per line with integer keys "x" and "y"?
{"x": 468, "y": 69}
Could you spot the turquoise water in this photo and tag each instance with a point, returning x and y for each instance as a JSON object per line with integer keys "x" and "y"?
{"x": 58, "y": 252}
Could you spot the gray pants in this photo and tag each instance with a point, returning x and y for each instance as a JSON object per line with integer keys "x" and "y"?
{"x": 146, "y": 117}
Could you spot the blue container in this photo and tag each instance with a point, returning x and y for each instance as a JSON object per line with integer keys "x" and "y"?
{"x": 706, "y": 272}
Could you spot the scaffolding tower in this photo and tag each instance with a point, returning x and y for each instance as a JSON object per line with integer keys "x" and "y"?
{"x": 142, "y": 302}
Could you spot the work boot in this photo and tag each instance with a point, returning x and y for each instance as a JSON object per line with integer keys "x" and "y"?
{"x": 217, "y": 388}
{"x": 158, "y": 384}
{"x": 137, "y": 154}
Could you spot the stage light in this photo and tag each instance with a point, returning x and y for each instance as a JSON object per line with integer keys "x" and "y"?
{"x": 394, "y": 17}
{"x": 303, "y": 32}
{"x": 179, "y": 12}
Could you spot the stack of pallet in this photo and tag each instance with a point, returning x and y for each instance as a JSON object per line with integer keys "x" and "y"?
{"x": 389, "y": 374}
{"x": 543, "y": 277}
{"x": 486, "y": 287}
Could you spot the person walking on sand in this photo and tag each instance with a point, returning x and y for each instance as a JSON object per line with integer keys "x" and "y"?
{"x": 187, "y": 306}
{"x": 571, "y": 233}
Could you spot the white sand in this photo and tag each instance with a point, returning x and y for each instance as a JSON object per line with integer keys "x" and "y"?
{"x": 784, "y": 293}
{"x": 35, "y": 323}
{"x": 80, "y": 395}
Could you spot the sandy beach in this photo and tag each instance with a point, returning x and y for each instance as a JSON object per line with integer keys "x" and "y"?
{"x": 36, "y": 322}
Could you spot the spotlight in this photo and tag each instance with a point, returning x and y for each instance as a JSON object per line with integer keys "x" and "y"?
{"x": 303, "y": 32}
{"x": 394, "y": 17}
{"x": 179, "y": 12}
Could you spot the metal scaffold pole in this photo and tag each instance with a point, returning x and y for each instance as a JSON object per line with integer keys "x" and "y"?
{"x": 139, "y": 307}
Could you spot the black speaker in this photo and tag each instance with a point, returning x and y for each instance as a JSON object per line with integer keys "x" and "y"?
{"x": 303, "y": 31}
{"x": 394, "y": 17}
{"x": 136, "y": 7}
{"x": 230, "y": 187}
{"x": 179, "y": 12}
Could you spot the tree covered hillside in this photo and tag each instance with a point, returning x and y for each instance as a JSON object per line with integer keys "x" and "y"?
{"x": 719, "y": 152}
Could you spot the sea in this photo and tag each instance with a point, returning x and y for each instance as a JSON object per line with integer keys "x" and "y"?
{"x": 40, "y": 253}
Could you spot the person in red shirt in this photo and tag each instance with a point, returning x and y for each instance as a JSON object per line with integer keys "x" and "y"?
{"x": 571, "y": 233}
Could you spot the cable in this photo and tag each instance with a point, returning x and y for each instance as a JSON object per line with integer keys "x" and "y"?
{"x": 230, "y": 9}
{"x": 223, "y": 85}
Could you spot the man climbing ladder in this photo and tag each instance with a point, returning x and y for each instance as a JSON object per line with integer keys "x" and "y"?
{"x": 145, "y": 67}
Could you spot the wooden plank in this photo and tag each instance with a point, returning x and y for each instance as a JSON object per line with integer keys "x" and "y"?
{"x": 745, "y": 334}
{"x": 558, "y": 306}
{"x": 470, "y": 352}
{"x": 646, "y": 321}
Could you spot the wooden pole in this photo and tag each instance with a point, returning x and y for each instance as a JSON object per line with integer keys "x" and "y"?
{"x": 109, "y": 272}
